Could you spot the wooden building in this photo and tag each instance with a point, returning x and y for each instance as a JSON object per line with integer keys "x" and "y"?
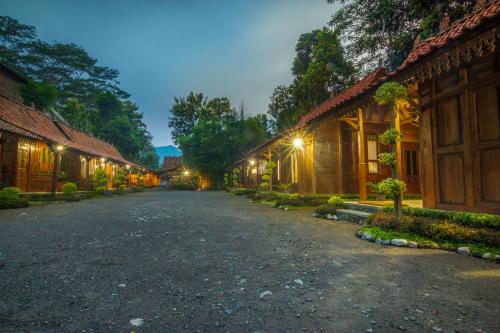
{"x": 457, "y": 73}
{"x": 38, "y": 154}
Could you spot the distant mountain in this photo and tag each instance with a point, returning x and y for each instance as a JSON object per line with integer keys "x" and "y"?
{"x": 167, "y": 151}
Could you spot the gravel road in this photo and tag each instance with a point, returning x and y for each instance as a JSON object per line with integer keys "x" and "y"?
{"x": 211, "y": 262}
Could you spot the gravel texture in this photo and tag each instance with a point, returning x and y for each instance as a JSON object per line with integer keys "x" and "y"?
{"x": 212, "y": 262}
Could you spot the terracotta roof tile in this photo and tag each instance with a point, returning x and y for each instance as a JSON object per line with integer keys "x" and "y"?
{"x": 377, "y": 76}
{"x": 27, "y": 121}
{"x": 472, "y": 21}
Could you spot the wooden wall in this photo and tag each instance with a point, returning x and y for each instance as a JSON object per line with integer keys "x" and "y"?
{"x": 460, "y": 137}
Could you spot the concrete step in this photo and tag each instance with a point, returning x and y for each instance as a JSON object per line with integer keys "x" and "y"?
{"x": 352, "y": 215}
{"x": 363, "y": 207}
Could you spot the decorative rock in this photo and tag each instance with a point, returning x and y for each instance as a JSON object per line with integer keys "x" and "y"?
{"x": 265, "y": 295}
{"x": 137, "y": 322}
{"x": 366, "y": 236}
{"x": 378, "y": 241}
{"x": 329, "y": 217}
{"x": 316, "y": 215}
{"x": 386, "y": 242}
{"x": 497, "y": 257}
{"x": 463, "y": 250}
{"x": 436, "y": 329}
{"x": 121, "y": 285}
{"x": 413, "y": 245}
{"x": 399, "y": 242}
{"x": 434, "y": 246}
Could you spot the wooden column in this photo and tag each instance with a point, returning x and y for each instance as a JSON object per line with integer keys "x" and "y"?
{"x": 270, "y": 158}
{"x": 340, "y": 180}
{"x": 53, "y": 188}
{"x": 87, "y": 173}
{"x": 311, "y": 167}
{"x": 362, "y": 156}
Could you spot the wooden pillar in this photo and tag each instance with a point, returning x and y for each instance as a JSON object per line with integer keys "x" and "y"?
{"x": 340, "y": 180}
{"x": 362, "y": 156}
{"x": 270, "y": 158}
{"x": 311, "y": 167}
{"x": 53, "y": 187}
{"x": 87, "y": 172}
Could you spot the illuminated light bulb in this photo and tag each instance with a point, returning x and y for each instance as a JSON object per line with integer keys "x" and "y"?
{"x": 298, "y": 142}
{"x": 59, "y": 148}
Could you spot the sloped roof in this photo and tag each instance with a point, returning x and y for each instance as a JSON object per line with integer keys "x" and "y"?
{"x": 24, "y": 120}
{"x": 378, "y": 75}
{"x": 489, "y": 12}
{"x": 171, "y": 162}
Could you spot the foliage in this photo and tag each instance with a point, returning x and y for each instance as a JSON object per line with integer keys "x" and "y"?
{"x": 375, "y": 187}
{"x": 212, "y": 136}
{"x": 41, "y": 95}
{"x": 10, "y": 200}
{"x": 11, "y": 190}
{"x": 244, "y": 191}
{"x": 324, "y": 210}
{"x": 61, "y": 176}
{"x": 138, "y": 188}
{"x": 387, "y": 29}
{"x": 119, "y": 177}
{"x": 69, "y": 189}
{"x": 387, "y": 158}
{"x": 66, "y": 79}
{"x": 101, "y": 189}
{"x": 336, "y": 202}
{"x": 319, "y": 69}
{"x": 392, "y": 186}
{"x": 149, "y": 159}
{"x": 436, "y": 229}
{"x": 100, "y": 179}
{"x": 390, "y": 93}
{"x": 475, "y": 220}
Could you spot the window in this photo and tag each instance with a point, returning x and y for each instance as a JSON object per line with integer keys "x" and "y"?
{"x": 372, "y": 147}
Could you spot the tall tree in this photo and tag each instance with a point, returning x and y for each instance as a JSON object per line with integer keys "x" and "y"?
{"x": 386, "y": 29}
{"x": 319, "y": 69}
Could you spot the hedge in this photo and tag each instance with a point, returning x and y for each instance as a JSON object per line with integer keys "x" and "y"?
{"x": 475, "y": 220}
{"x": 436, "y": 229}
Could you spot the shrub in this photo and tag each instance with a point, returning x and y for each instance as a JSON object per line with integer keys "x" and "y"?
{"x": 69, "y": 189}
{"x": 324, "y": 210}
{"x": 138, "y": 188}
{"x": 61, "y": 175}
{"x": 99, "y": 179}
{"x": 390, "y": 136}
{"x": 392, "y": 186}
{"x": 336, "y": 202}
{"x": 186, "y": 186}
{"x": 387, "y": 158}
{"x": 11, "y": 190}
{"x": 436, "y": 229}
{"x": 12, "y": 201}
{"x": 101, "y": 189}
{"x": 121, "y": 187}
{"x": 476, "y": 220}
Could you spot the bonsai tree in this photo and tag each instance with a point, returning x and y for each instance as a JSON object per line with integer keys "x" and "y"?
{"x": 390, "y": 94}
{"x": 119, "y": 177}
{"x": 268, "y": 176}
{"x": 236, "y": 177}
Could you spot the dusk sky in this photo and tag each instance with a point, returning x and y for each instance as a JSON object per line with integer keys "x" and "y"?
{"x": 240, "y": 49}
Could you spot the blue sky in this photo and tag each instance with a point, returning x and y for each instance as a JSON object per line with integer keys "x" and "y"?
{"x": 240, "y": 49}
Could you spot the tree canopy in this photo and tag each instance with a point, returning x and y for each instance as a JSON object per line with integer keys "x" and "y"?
{"x": 65, "y": 78}
{"x": 319, "y": 69}
{"x": 386, "y": 29}
{"x": 212, "y": 134}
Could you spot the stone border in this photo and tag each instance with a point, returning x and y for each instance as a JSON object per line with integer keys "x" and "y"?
{"x": 400, "y": 242}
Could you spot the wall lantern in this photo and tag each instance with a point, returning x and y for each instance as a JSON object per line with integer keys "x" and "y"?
{"x": 103, "y": 160}
{"x": 298, "y": 143}
{"x": 186, "y": 173}
{"x": 127, "y": 166}
{"x": 59, "y": 147}
{"x": 252, "y": 162}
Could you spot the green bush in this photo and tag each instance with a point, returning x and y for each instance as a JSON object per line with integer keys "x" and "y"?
{"x": 69, "y": 189}
{"x": 138, "y": 188}
{"x": 9, "y": 200}
{"x": 101, "y": 189}
{"x": 436, "y": 229}
{"x": 99, "y": 179}
{"x": 476, "y": 220}
{"x": 11, "y": 190}
{"x": 244, "y": 191}
{"x": 182, "y": 187}
{"x": 324, "y": 210}
{"x": 392, "y": 186}
{"x": 336, "y": 202}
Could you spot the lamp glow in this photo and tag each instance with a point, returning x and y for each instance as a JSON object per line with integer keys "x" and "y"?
{"x": 103, "y": 159}
{"x": 252, "y": 162}
{"x": 127, "y": 166}
{"x": 59, "y": 148}
{"x": 186, "y": 173}
{"x": 298, "y": 142}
